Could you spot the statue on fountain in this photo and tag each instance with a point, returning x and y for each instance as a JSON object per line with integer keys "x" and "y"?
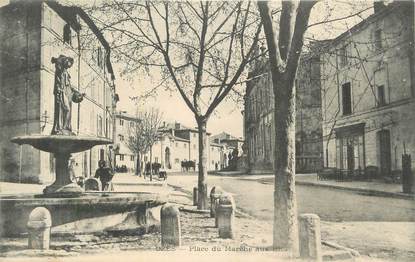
{"x": 64, "y": 94}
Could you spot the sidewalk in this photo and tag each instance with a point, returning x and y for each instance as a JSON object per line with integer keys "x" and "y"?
{"x": 374, "y": 187}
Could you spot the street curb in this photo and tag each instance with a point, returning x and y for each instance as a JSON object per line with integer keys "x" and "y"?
{"x": 139, "y": 184}
{"x": 353, "y": 252}
{"x": 360, "y": 190}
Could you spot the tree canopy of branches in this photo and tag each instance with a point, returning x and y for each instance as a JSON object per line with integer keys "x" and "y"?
{"x": 143, "y": 133}
{"x": 199, "y": 48}
{"x": 284, "y": 51}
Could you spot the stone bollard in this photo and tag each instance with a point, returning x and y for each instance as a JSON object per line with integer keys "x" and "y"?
{"x": 408, "y": 179}
{"x": 195, "y": 199}
{"x": 310, "y": 237}
{"x": 38, "y": 226}
{"x": 225, "y": 213}
{"x": 214, "y": 195}
{"x": 170, "y": 226}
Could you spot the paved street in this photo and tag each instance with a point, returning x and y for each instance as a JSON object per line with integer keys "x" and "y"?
{"x": 255, "y": 198}
{"x": 378, "y": 227}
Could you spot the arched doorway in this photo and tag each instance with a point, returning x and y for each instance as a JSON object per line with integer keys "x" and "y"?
{"x": 167, "y": 158}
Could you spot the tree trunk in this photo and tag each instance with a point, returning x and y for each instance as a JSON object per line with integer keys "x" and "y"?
{"x": 202, "y": 185}
{"x": 285, "y": 204}
{"x": 138, "y": 167}
{"x": 151, "y": 164}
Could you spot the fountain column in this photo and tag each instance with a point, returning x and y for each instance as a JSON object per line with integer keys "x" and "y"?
{"x": 63, "y": 181}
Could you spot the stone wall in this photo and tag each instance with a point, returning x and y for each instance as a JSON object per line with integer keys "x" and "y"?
{"x": 34, "y": 34}
{"x": 19, "y": 90}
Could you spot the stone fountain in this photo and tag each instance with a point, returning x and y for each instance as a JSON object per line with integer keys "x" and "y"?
{"x": 72, "y": 209}
{"x": 62, "y": 142}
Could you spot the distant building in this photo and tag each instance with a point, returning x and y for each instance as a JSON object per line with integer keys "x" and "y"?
{"x": 123, "y": 155}
{"x": 259, "y": 130}
{"x": 176, "y": 143}
{"x": 228, "y": 143}
{"x": 368, "y": 91}
{"x": 31, "y": 33}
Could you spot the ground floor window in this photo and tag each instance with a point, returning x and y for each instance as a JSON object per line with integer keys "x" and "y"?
{"x": 350, "y": 152}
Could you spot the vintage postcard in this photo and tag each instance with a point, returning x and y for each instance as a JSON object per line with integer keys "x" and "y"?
{"x": 207, "y": 130}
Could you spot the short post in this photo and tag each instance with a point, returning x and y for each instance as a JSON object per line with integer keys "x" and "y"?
{"x": 39, "y": 224}
{"x": 408, "y": 182}
{"x": 170, "y": 226}
{"x": 225, "y": 213}
{"x": 216, "y": 204}
{"x": 310, "y": 237}
{"x": 195, "y": 199}
{"x": 214, "y": 195}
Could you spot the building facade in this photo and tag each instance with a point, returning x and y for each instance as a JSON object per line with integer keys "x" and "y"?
{"x": 228, "y": 143}
{"x": 259, "y": 130}
{"x": 368, "y": 93}
{"x": 124, "y": 159}
{"x": 175, "y": 144}
{"x": 33, "y": 32}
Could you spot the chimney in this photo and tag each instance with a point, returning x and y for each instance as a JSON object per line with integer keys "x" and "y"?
{"x": 378, "y": 5}
{"x": 176, "y": 125}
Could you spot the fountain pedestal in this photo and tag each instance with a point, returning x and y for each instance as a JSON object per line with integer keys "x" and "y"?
{"x": 62, "y": 146}
{"x": 63, "y": 184}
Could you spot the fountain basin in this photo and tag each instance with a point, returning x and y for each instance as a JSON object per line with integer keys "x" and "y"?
{"x": 90, "y": 212}
{"x": 61, "y": 144}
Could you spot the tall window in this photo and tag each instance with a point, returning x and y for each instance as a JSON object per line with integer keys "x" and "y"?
{"x": 67, "y": 38}
{"x": 378, "y": 39}
{"x": 101, "y": 154}
{"x": 343, "y": 56}
{"x": 121, "y": 122}
{"x": 99, "y": 126}
{"x": 131, "y": 157}
{"x": 121, "y": 157}
{"x": 347, "y": 99}
{"x": 381, "y": 95}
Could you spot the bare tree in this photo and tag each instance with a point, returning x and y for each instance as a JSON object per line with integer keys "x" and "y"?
{"x": 136, "y": 141}
{"x": 151, "y": 120}
{"x": 142, "y": 134}
{"x": 199, "y": 48}
{"x": 284, "y": 53}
